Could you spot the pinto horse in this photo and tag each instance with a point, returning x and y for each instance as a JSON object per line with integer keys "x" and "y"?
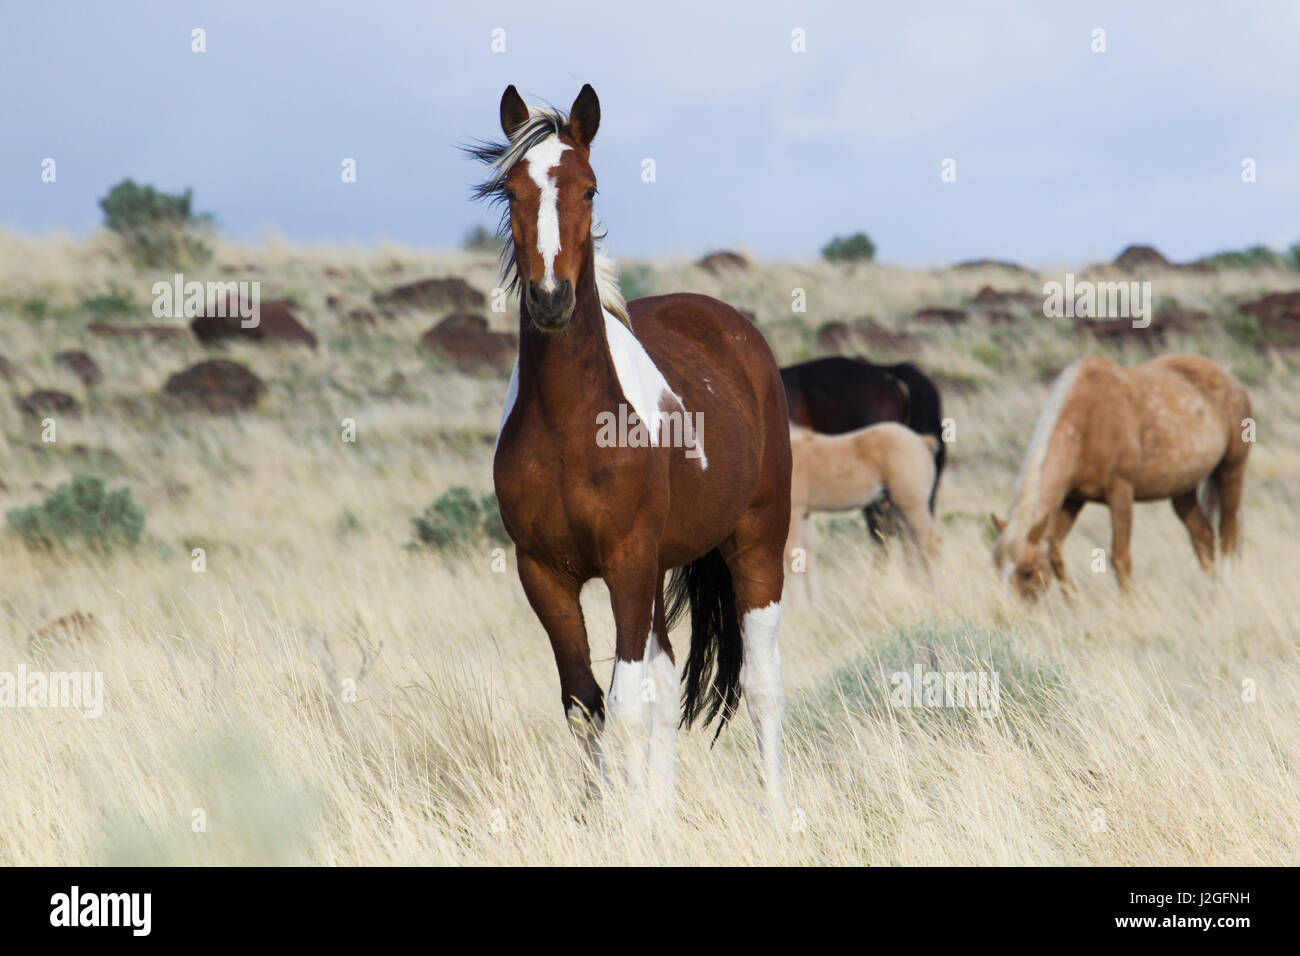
{"x": 1168, "y": 428}
{"x": 838, "y": 394}
{"x": 699, "y": 484}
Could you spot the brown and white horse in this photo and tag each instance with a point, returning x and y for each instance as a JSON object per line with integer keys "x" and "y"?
{"x": 1172, "y": 428}
{"x": 695, "y": 477}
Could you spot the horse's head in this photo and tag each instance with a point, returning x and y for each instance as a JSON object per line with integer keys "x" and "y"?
{"x": 1024, "y": 565}
{"x": 548, "y": 185}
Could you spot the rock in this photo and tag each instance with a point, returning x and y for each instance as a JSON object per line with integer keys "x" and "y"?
{"x": 45, "y": 401}
{"x": 990, "y": 298}
{"x": 276, "y": 324}
{"x": 716, "y": 263}
{"x": 434, "y": 295}
{"x": 1141, "y": 258}
{"x": 1171, "y": 320}
{"x": 217, "y": 385}
{"x": 882, "y": 339}
{"x": 940, "y": 314}
{"x": 70, "y": 628}
{"x": 1278, "y": 315}
{"x": 158, "y": 333}
{"x": 834, "y": 337}
{"x": 81, "y": 365}
{"x": 465, "y": 340}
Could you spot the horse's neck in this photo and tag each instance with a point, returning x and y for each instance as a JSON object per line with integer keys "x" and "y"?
{"x": 569, "y": 375}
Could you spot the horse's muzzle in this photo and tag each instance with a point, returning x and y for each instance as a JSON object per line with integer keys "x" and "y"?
{"x": 550, "y": 310}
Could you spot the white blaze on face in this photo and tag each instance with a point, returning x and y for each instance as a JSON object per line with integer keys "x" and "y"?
{"x": 541, "y": 159}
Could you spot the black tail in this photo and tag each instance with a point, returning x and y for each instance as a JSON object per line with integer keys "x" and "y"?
{"x": 924, "y": 415}
{"x": 711, "y": 682}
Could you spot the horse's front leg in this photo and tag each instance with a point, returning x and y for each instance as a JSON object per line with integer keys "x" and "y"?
{"x": 555, "y": 599}
{"x": 633, "y": 588}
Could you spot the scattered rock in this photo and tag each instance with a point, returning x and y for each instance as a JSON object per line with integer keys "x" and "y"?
{"x": 1278, "y": 315}
{"x": 217, "y": 386}
{"x": 45, "y": 401}
{"x": 991, "y": 298}
{"x": 834, "y": 337}
{"x": 434, "y": 295}
{"x": 276, "y": 323}
{"x": 81, "y": 365}
{"x": 158, "y": 333}
{"x": 1171, "y": 320}
{"x": 940, "y": 314}
{"x": 465, "y": 340}
{"x": 716, "y": 263}
{"x": 882, "y": 339}
{"x": 1141, "y": 258}
{"x": 70, "y": 628}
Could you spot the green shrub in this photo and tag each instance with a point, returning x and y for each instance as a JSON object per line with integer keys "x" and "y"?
{"x": 1293, "y": 255}
{"x": 158, "y": 229}
{"x": 116, "y": 301}
{"x": 1244, "y": 259}
{"x": 80, "y": 511}
{"x": 635, "y": 280}
{"x": 1029, "y": 692}
{"x": 457, "y": 517}
{"x": 481, "y": 239}
{"x": 854, "y": 248}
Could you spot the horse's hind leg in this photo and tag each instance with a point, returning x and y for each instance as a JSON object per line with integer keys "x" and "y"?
{"x": 1188, "y": 509}
{"x": 753, "y": 555}
{"x": 1119, "y": 496}
{"x": 554, "y": 598}
{"x": 663, "y": 690}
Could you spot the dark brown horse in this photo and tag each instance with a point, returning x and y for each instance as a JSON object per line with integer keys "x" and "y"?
{"x": 636, "y": 439}
{"x": 838, "y": 394}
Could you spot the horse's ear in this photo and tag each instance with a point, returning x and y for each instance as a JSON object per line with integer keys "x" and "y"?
{"x": 514, "y": 111}
{"x": 584, "y": 117}
{"x": 998, "y": 522}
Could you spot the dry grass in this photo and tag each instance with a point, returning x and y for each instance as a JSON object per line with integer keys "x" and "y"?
{"x": 1123, "y": 737}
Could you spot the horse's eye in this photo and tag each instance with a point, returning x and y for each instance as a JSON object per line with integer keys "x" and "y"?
{"x": 590, "y": 194}
{"x": 510, "y": 195}
{"x": 1028, "y": 573}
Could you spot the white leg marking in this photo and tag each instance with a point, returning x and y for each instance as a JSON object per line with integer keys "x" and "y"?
{"x": 628, "y": 708}
{"x": 760, "y": 680}
{"x": 662, "y": 675}
{"x": 541, "y": 158}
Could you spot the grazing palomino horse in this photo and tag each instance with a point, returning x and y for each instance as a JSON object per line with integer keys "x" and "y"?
{"x": 1168, "y": 428}
{"x": 838, "y": 394}
{"x": 851, "y": 471}
{"x": 580, "y": 502}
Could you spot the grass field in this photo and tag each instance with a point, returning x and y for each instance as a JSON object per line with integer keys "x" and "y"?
{"x": 1161, "y": 729}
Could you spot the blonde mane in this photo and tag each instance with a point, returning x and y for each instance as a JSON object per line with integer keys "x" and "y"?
{"x": 1021, "y": 513}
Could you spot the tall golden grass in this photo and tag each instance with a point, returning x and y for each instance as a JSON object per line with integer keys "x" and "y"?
{"x": 1161, "y": 729}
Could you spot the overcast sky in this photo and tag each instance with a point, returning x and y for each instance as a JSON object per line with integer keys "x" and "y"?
{"x": 1062, "y": 155}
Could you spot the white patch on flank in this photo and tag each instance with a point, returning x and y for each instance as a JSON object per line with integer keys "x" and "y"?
{"x": 512, "y": 394}
{"x": 760, "y": 682}
{"x": 541, "y": 159}
{"x": 643, "y": 385}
